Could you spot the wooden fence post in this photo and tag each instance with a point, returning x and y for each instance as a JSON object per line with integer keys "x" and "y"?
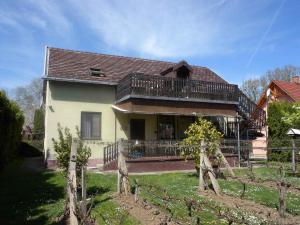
{"x": 123, "y": 182}
{"x": 72, "y": 188}
{"x": 83, "y": 191}
{"x": 201, "y": 164}
{"x": 282, "y": 202}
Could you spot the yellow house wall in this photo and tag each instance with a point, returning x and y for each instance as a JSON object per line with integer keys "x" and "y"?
{"x": 123, "y": 125}
{"x": 64, "y": 104}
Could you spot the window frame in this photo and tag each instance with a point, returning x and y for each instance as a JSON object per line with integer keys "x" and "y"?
{"x": 100, "y": 126}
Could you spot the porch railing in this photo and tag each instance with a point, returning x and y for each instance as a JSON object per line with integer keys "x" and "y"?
{"x": 110, "y": 153}
{"x": 162, "y": 150}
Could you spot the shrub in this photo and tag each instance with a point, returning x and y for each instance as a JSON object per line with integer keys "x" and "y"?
{"x": 62, "y": 147}
{"x": 201, "y": 130}
{"x": 38, "y": 124}
{"x": 11, "y": 123}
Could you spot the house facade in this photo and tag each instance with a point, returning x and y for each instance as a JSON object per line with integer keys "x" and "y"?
{"x": 114, "y": 97}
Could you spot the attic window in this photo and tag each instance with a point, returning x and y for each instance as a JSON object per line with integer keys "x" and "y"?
{"x": 95, "y": 72}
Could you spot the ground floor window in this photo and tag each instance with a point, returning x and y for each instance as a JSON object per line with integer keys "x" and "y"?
{"x": 90, "y": 125}
{"x": 166, "y": 127}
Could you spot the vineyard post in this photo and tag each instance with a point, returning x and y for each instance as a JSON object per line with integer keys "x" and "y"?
{"x": 282, "y": 195}
{"x": 83, "y": 191}
{"x": 72, "y": 186}
{"x": 201, "y": 180}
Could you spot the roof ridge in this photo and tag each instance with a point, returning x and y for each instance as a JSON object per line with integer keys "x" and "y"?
{"x": 122, "y": 56}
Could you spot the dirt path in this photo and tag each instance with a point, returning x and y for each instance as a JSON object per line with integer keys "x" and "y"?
{"x": 145, "y": 212}
{"x": 249, "y": 206}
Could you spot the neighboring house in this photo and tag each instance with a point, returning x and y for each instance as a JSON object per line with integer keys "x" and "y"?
{"x": 278, "y": 90}
{"x": 115, "y": 97}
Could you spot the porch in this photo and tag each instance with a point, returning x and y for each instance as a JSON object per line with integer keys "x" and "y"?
{"x": 153, "y": 156}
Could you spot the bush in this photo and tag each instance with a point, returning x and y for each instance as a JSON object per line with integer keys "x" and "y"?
{"x": 11, "y": 123}
{"x": 62, "y": 147}
{"x": 281, "y": 117}
{"x": 284, "y": 156}
{"x": 38, "y": 124}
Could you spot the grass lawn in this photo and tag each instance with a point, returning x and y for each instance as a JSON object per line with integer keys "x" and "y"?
{"x": 29, "y": 197}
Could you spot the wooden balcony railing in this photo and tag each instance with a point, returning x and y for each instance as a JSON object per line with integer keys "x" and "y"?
{"x": 147, "y": 86}
{"x": 166, "y": 88}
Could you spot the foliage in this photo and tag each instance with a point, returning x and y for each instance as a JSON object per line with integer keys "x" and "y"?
{"x": 11, "y": 122}
{"x": 29, "y": 98}
{"x": 254, "y": 88}
{"x": 38, "y": 123}
{"x": 281, "y": 117}
{"x": 62, "y": 147}
{"x": 201, "y": 131}
{"x": 284, "y": 156}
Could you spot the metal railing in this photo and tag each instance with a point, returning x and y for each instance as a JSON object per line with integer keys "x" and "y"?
{"x": 168, "y": 149}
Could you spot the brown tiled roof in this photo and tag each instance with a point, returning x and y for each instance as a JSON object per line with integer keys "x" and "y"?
{"x": 68, "y": 64}
{"x": 290, "y": 88}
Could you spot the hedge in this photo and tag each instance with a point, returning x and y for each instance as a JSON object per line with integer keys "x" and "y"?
{"x": 11, "y": 123}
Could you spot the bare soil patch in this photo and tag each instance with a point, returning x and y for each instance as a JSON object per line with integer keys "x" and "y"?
{"x": 143, "y": 211}
{"x": 249, "y": 206}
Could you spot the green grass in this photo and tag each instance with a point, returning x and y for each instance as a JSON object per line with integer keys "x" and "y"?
{"x": 262, "y": 195}
{"x": 28, "y": 197}
{"x": 271, "y": 173}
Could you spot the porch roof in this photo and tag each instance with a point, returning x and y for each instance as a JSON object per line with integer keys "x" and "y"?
{"x": 137, "y": 106}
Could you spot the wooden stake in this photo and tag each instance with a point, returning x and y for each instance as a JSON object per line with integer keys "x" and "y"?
{"x": 282, "y": 202}
{"x": 123, "y": 182}
{"x": 211, "y": 174}
{"x": 72, "y": 188}
{"x": 228, "y": 167}
{"x": 83, "y": 191}
{"x": 201, "y": 164}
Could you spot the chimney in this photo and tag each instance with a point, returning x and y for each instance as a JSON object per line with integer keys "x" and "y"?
{"x": 295, "y": 79}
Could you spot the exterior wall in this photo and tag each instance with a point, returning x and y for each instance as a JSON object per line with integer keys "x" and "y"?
{"x": 64, "y": 104}
{"x": 123, "y": 125}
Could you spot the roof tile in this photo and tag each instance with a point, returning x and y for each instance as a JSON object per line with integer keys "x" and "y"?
{"x": 70, "y": 64}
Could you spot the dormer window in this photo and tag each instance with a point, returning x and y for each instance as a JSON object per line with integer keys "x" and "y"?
{"x": 96, "y": 72}
{"x": 183, "y": 70}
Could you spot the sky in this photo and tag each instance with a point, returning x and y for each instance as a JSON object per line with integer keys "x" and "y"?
{"x": 238, "y": 39}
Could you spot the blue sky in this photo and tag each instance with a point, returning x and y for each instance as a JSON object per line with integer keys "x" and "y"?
{"x": 238, "y": 39}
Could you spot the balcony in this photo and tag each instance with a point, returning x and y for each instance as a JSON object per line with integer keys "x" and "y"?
{"x": 167, "y": 88}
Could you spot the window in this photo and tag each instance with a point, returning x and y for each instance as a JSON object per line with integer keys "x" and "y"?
{"x": 90, "y": 125}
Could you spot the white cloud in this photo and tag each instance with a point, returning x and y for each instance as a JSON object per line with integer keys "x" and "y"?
{"x": 171, "y": 28}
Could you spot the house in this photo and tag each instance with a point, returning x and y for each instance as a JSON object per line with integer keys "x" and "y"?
{"x": 278, "y": 90}
{"x": 115, "y": 97}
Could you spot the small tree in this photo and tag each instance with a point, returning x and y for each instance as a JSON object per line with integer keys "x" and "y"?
{"x": 38, "y": 123}
{"x": 201, "y": 131}
{"x": 62, "y": 147}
